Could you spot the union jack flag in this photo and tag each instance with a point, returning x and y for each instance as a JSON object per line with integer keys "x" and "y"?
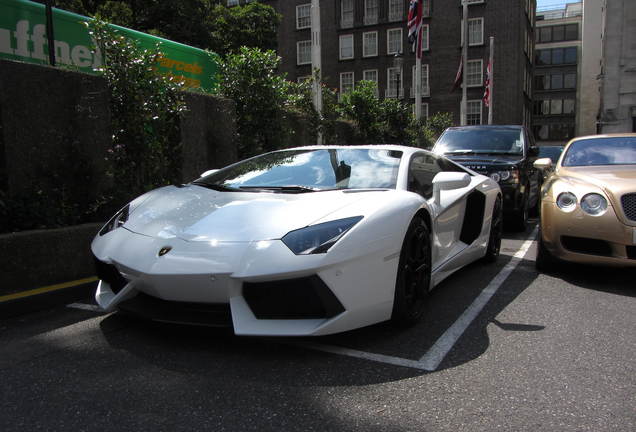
{"x": 415, "y": 26}
{"x": 486, "y": 97}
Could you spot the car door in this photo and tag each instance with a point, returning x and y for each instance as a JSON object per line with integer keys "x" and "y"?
{"x": 446, "y": 221}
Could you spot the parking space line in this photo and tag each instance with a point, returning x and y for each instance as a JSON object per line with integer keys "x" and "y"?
{"x": 84, "y": 306}
{"x": 432, "y": 359}
{"x": 47, "y": 289}
{"x": 380, "y": 358}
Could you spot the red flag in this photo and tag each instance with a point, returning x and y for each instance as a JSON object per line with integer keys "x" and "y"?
{"x": 414, "y": 24}
{"x": 458, "y": 77}
{"x": 486, "y": 97}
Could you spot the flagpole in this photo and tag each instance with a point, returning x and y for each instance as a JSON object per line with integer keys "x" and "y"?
{"x": 316, "y": 61}
{"x": 418, "y": 85}
{"x": 490, "y": 81}
{"x": 464, "y": 106}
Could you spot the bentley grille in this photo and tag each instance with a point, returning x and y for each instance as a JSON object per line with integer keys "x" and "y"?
{"x": 629, "y": 205}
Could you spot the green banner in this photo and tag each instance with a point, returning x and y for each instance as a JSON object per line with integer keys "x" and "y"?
{"x": 23, "y": 38}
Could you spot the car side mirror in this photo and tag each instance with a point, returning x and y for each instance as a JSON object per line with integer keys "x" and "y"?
{"x": 533, "y": 151}
{"x": 208, "y": 172}
{"x": 449, "y": 180}
{"x": 543, "y": 164}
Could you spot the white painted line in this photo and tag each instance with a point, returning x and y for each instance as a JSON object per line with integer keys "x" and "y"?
{"x": 432, "y": 359}
{"x": 83, "y": 306}
{"x": 380, "y": 358}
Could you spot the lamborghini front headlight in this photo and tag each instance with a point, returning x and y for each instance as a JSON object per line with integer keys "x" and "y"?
{"x": 318, "y": 238}
{"x": 116, "y": 221}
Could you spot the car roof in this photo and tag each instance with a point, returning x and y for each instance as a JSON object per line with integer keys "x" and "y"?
{"x": 486, "y": 127}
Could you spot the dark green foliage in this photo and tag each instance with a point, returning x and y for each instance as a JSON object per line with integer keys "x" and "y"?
{"x": 427, "y": 131}
{"x": 145, "y": 109}
{"x": 207, "y": 24}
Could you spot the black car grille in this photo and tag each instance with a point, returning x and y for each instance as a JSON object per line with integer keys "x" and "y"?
{"x": 109, "y": 274}
{"x": 629, "y": 205}
{"x": 301, "y": 298}
{"x": 586, "y": 246}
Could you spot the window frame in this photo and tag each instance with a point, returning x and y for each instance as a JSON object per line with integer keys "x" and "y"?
{"x": 299, "y": 7}
{"x": 481, "y": 111}
{"x": 340, "y": 39}
{"x": 353, "y": 81}
{"x": 364, "y": 55}
{"x": 393, "y": 15}
{"x": 368, "y": 20}
{"x": 481, "y": 73}
{"x": 481, "y": 19}
{"x": 388, "y": 40}
{"x": 346, "y": 23}
{"x": 298, "y": 44}
{"x": 426, "y": 90}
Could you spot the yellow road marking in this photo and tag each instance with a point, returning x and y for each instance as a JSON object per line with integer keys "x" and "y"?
{"x": 47, "y": 289}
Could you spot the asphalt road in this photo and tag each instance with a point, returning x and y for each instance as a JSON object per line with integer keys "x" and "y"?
{"x": 547, "y": 353}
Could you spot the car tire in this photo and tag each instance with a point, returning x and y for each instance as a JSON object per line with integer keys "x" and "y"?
{"x": 545, "y": 262}
{"x": 414, "y": 275}
{"x": 496, "y": 232}
{"x": 520, "y": 217}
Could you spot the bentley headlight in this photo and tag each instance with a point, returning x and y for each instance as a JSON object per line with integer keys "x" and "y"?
{"x": 566, "y": 201}
{"x": 116, "y": 221}
{"x": 594, "y": 204}
{"x": 318, "y": 238}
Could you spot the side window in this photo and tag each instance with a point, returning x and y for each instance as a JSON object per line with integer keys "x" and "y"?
{"x": 422, "y": 169}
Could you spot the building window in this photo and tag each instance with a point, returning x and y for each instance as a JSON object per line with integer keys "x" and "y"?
{"x": 396, "y": 10}
{"x": 346, "y": 82}
{"x": 556, "y": 106}
{"x": 371, "y": 75}
{"x": 569, "y": 55}
{"x": 425, "y": 46}
{"x": 473, "y": 112}
{"x": 303, "y": 52}
{"x": 474, "y": 73}
{"x": 426, "y": 8}
{"x": 556, "y": 81}
{"x": 346, "y": 13}
{"x": 571, "y": 32}
{"x": 568, "y": 106}
{"x": 394, "y": 83}
{"x": 303, "y": 16}
{"x": 394, "y": 41}
{"x": 569, "y": 80}
{"x": 425, "y": 86}
{"x": 232, "y": 2}
{"x": 346, "y": 47}
{"x": 370, "y": 12}
{"x": 475, "y": 31}
{"x": 556, "y": 56}
{"x": 424, "y": 110}
{"x": 370, "y": 44}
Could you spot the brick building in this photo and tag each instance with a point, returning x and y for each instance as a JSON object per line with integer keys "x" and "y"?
{"x": 361, "y": 37}
{"x": 557, "y": 73}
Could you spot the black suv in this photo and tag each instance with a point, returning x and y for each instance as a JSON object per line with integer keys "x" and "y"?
{"x": 506, "y": 154}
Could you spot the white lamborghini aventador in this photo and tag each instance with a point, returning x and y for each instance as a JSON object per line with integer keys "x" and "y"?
{"x": 305, "y": 241}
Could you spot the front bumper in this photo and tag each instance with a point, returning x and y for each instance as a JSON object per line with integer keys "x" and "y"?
{"x": 581, "y": 238}
{"x": 267, "y": 290}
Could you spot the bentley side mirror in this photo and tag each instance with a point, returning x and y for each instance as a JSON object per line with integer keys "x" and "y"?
{"x": 448, "y": 180}
{"x": 543, "y": 163}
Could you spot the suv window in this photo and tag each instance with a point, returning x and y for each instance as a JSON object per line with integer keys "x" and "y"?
{"x": 481, "y": 141}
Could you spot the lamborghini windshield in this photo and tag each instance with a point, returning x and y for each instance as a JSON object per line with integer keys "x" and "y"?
{"x": 481, "y": 141}
{"x": 310, "y": 170}
{"x": 601, "y": 151}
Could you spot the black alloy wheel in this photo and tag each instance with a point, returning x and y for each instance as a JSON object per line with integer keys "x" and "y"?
{"x": 496, "y": 232}
{"x": 414, "y": 275}
{"x": 521, "y": 216}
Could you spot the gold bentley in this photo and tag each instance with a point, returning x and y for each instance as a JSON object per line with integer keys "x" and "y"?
{"x": 588, "y": 203}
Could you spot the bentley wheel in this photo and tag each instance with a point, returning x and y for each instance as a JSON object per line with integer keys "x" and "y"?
{"x": 414, "y": 275}
{"x": 496, "y": 231}
{"x": 545, "y": 261}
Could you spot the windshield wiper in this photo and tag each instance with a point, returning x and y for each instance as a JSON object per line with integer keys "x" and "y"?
{"x": 283, "y": 189}
{"x": 216, "y": 187}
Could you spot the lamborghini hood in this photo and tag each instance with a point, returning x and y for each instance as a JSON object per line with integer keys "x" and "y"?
{"x": 194, "y": 213}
